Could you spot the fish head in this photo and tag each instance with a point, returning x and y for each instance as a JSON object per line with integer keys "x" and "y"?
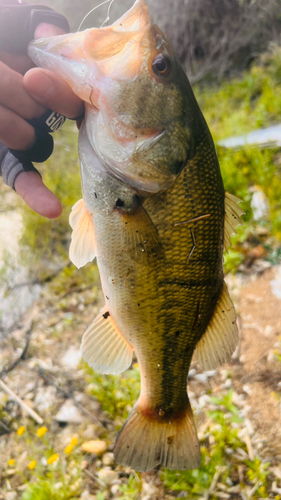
{"x": 139, "y": 104}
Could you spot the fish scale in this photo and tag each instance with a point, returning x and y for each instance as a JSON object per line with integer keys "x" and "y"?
{"x": 155, "y": 215}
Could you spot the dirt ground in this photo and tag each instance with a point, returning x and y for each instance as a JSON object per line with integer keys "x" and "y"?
{"x": 258, "y": 373}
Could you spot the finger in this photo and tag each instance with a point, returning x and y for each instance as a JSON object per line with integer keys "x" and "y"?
{"x": 52, "y": 92}
{"x": 37, "y": 196}
{"x": 14, "y": 96}
{"x": 21, "y": 64}
{"x": 46, "y": 30}
{"x": 15, "y": 132}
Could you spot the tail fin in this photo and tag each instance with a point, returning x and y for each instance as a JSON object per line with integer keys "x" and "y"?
{"x": 143, "y": 442}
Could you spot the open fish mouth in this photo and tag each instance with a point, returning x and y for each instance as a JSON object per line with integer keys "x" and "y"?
{"x": 85, "y": 59}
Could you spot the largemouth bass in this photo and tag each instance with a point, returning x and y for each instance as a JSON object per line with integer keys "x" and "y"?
{"x": 155, "y": 215}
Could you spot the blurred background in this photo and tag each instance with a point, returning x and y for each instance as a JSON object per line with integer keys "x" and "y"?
{"x": 231, "y": 50}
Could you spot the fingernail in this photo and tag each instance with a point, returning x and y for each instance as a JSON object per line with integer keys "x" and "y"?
{"x": 46, "y": 30}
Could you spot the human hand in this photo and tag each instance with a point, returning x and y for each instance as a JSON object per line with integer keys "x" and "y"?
{"x": 23, "y": 98}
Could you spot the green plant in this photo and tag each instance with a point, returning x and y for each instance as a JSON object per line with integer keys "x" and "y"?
{"x": 131, "y": 490}
{"x": 116, "y": 393}
{"x": 50, "y": 474}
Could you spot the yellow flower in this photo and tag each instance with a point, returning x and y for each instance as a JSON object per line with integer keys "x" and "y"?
{"x": 41, "y": 431}
{"x": 21, "y": 430}
{"x": 68, "y": 449}
{"x": 135, "y": 366}
{"x": 32, "y": 465}
{"x": 53, "y": 458}
{"x": 74, "y": 441}
{"x": 11, "y": 462}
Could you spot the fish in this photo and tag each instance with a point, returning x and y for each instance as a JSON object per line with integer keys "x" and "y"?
{"x": 155, "y": 215}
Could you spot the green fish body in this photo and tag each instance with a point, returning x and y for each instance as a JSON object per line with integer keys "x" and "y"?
{"x": 155, "y": 215}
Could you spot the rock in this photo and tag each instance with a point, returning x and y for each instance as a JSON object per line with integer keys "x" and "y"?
{"x": 11, "y": 495}
{"x": 90, "y": 432}
{"x": 97, "y": 447}
{"x": 150, "y": 490}
{"x": 108, "y": 459}
{"x": 108, "y": 476}
{"x": 87, "y": 496}
{"x": 69, "y": 413}
{"x": 191, "y": 373}
{"x": 114, "y": 490}
{"x": 71, "y": 358}
{"x": 276, "y": 288}
{"x": 201, "y": 377}
{"x": 45, "y": 398}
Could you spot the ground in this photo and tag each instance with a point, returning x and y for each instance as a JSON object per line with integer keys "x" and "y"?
{"x": 70, "y": 402}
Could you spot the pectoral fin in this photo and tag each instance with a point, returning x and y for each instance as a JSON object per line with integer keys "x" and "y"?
{"x": 221, "y": 337}
{"x": 232, "y": 218}
{"x": 104, "y": 348}
{"x": 82, "y": 247}
{"x": 140, "y": 237}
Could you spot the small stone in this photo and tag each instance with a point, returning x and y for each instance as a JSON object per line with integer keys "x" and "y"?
{"x": 69, "y": 413}
{"x": 150, "y": 490}
{"x": 97, "y": 447}
{"x": 11, "y": 495}
{"x": 71, "y": 358}
{"x": 115, "y": 489}
{"x": 87, "y": 496}
{"x": 228, "y": 383}
{"x": 201, "y": 377}
{"x": 108, "y": 476}
{"x": 108, "y": 459}
{"x": 10, "y": 472}
{"x": 90, "y": 432}
{"x": 84, "y": 464}
{"x": 45, "y": 398}
{"x": 191, "y": 373}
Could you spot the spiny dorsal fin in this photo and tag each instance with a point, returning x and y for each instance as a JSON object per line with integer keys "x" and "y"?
{"x": 221, "y": 337}
{"x": 232, "y": 218}
{"x": 104, "y": 348}
{"x": 82, "y": 247}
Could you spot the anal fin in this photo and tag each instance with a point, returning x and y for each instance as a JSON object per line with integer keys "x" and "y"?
{"x": 103, "y": 346}
{"x": 221, "y": 336}
{"x": 82, "y": 248}
{"x": 232, "y": 218}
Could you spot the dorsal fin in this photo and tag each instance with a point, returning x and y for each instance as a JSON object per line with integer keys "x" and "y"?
{"x": 232, "y": 218}
{"x": 103, "y": 346}
{"x": 82, "y": 247}
{"x": 221, "y": 336}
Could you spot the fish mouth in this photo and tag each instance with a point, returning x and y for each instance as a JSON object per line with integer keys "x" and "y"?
{"x": 86, "y": 58}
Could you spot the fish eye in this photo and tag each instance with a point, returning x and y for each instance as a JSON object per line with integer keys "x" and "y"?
{"x": 161, "y": 66}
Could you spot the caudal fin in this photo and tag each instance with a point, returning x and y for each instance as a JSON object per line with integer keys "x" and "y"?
{"x": 143, "y": 442}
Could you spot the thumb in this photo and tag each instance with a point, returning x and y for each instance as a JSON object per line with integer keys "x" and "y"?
{"x": 37, "y": 196}
{"x": 45, "y": 30}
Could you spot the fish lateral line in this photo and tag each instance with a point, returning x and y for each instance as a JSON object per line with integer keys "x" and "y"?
{"x": 195, "y": 219}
